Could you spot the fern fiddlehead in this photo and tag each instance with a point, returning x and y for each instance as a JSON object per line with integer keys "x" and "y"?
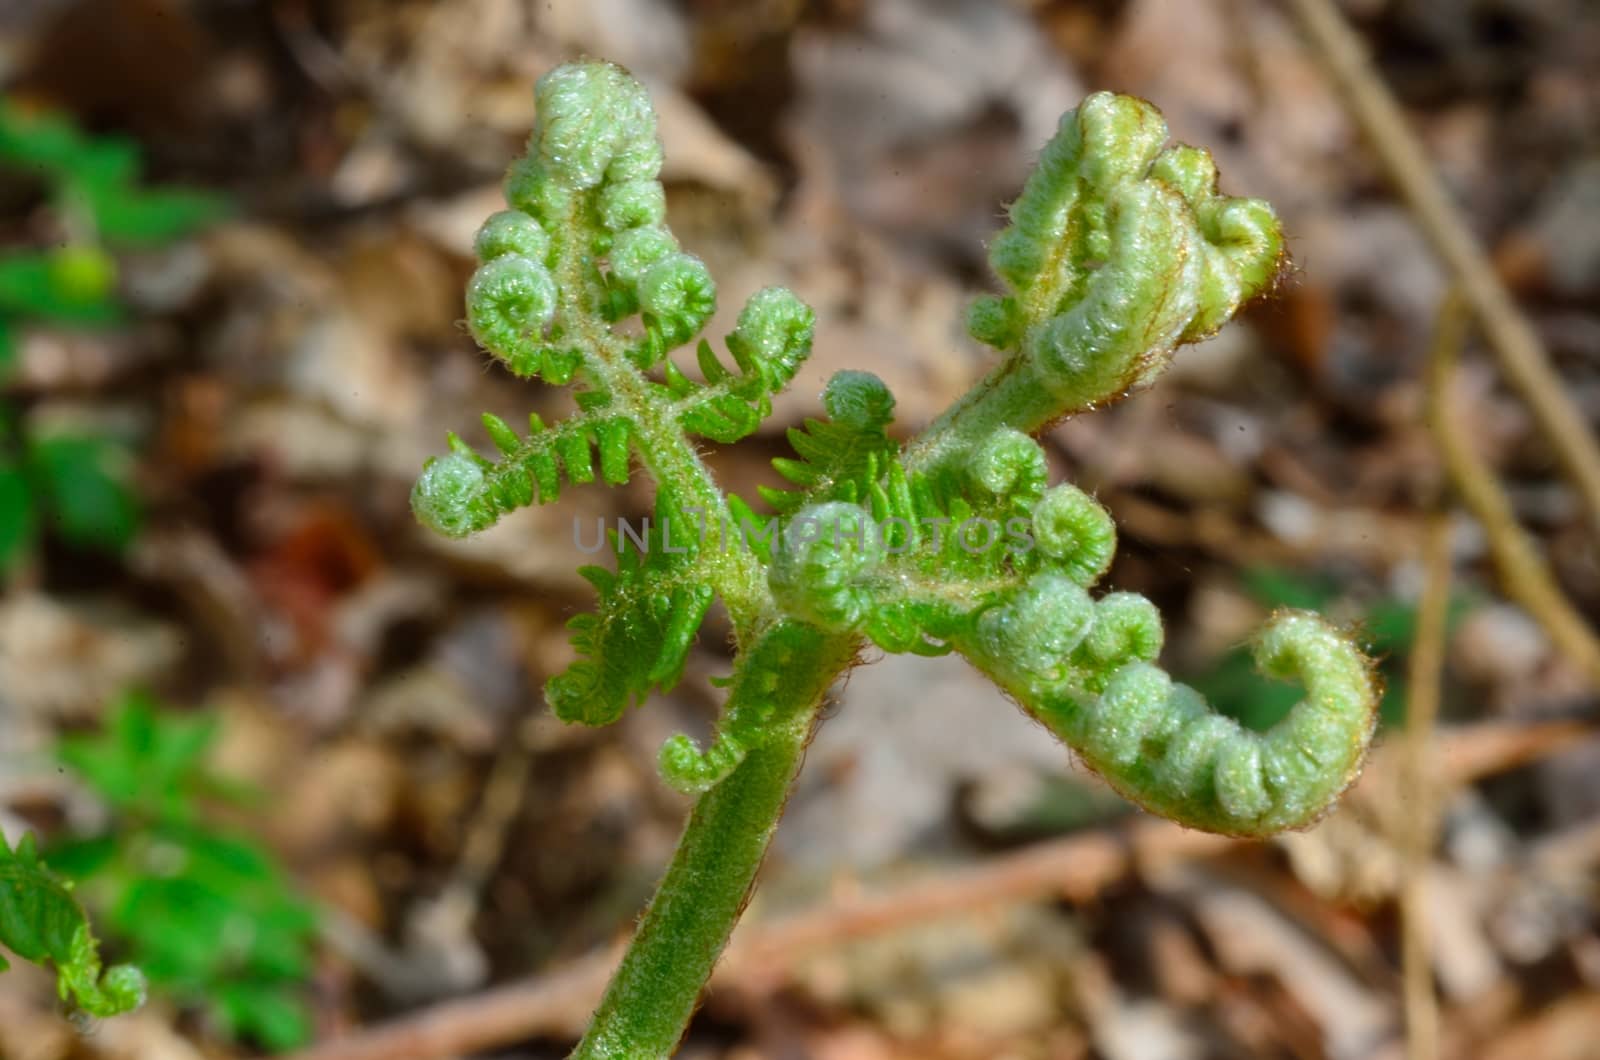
{"x": 1119, "y": 250}
{"x": 41, "y": 921}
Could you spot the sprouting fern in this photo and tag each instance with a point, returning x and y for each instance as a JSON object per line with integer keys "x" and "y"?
{"x": 41, "y": 921}
{"x": 1120, "y": 249}
{"x": 465, "y": 492}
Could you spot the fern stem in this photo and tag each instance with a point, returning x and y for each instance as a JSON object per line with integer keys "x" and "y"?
{"x": 1010, "y": 396}
{"x": 680, "y": 473}
{"x": 653, "y": 994}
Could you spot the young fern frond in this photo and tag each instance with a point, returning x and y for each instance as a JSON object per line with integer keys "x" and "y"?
{"x": 1111, "y": 222}
{"x": 641, "y": 630}
{"x": 1120, "y": 249}
{"x": 842, "y": 455}
{"x": 1158, "y": 742}
{"x": 769, "y": 344}
{"x": 1084, "y": 667}
{"x": 1118, "y": 252}
{"x": 582, "y": 247}
{"x": 463, "y": 493}
{"x": 41, "y": 921}
{"x": 758, "y": 712}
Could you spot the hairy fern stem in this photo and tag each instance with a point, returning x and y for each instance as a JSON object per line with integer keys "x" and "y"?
{"x": 682, "y": 933}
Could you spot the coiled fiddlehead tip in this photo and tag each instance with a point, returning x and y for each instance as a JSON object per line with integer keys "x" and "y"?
{"x": 1328, "y": 734}
{"x": 678, "y": 296}
{"x": 120, "y": 988}
{"x": 1076, "y": 532}
{"x": 1037, "y": 628}
{"x": 1242, "y": 250}
{"x": 1127, "y": 629}
{"x": 859, "y": 400}
{"x": 633, "y": 204}
{"x": 511, "y": 232}
{"x": 690, "y": 771}
{"x": 595, "y": 122}
{"x": 41, "y": 921}
{"x": 1162, "y": 746}
{"x": 774, "y": 332}
{"x": 1119, "y": 251}
{"x": 511, "y": 299}
{"x": 446, "y": 495}
{"x": 1010, "y": 464}
{"x": 817, "y": 568}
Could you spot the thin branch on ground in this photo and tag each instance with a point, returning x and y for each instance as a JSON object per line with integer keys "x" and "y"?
{"x": 490, "y": 825}
{"x": 1522, "y": 355}
{"x": 1524, "y": 575}
{"x": 1417, "y": 820}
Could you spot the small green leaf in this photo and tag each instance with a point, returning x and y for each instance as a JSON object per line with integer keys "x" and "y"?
{"x": 274, "y": 1015}
{"x": 51, "y": 146}
{"x": 145, "y": 760}
{"x": 140, "y": 217}
{"x": 72, "y": 285}
{"x": 18, "y": 514}
{"x": 99, "y": 175}
{"x": 84, "y": 480}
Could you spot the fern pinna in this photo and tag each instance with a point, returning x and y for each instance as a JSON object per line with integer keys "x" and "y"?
{"x": 1120, "y": 249}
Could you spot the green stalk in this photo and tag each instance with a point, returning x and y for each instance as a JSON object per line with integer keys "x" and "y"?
{"x": 1010, "y": 396}
{"x": 653, "y": 993}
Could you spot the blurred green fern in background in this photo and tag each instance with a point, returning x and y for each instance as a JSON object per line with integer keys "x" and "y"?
{"x": 75, "y": 484}
{"x": 207, "y": 913}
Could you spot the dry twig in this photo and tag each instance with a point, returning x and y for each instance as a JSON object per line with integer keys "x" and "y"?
{"x": 1521, "y": 352}
{"x": 1524, "y": 575}
{"x": 1423, "y": 679}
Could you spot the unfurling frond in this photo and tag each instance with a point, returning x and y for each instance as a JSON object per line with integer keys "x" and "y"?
{"x": 463, "y": 492}
{"x": 840, "y": 456}
{"x": 41, "y": 921}
{"x": 583, "y": 246}
{"x": 1119, "y": 250}
{"x": 1020, "y": 609}
{"x": 1162, "y": 746}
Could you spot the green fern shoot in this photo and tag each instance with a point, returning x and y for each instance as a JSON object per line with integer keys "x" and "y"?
{"x": 1120, "y": 249}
